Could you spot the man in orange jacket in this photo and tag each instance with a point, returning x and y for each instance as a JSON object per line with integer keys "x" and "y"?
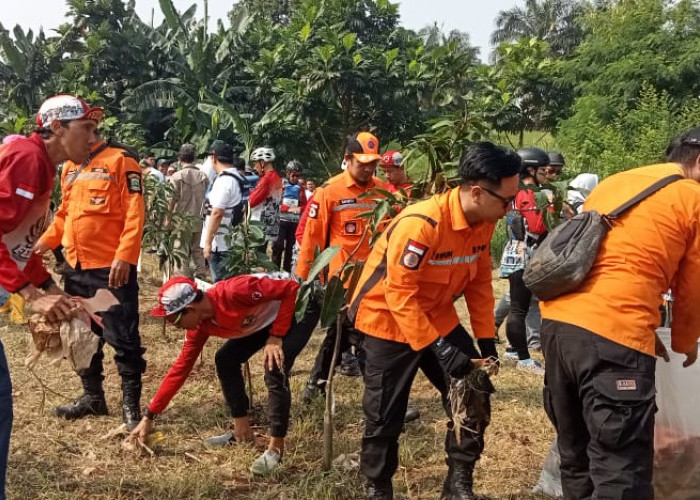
{"x": 333, "y": 220}
{"x": 100, "y": 225}
{"x": 599, "y": 341}
{"x": 432, "y": 253}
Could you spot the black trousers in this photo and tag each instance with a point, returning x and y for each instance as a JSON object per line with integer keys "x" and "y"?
{"x": 234, "y": 352}
{"x": 349, "y": 337}
{"x": 600, "y": 396}
{"x": 516, "y": 330}
{"x": 389, "y": 372}
{"x": 284, "y": 244}
{"x": 121, "y": 322}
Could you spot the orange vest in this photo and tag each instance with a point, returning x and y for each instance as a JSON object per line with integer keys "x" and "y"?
{"x": 334, "y": 221}
{"x": 653, "y": 247}
{"x": 102, "y": 211}
{"x": 427, "y": 258}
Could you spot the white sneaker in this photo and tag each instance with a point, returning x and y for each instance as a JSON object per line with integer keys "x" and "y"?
{"x": 530, "y": 365}
{"x": 266, "y": 463}
{"x": 510, "y": 356}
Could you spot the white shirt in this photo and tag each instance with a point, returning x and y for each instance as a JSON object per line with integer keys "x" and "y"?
{"x": 208, "y": 169}
{"x": 309, "y": 193}
{"x": 225, "y": 194}
{"x": 157, "y": 174}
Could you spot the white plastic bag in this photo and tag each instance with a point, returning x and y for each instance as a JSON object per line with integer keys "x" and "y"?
{"x": 677, "y": 430}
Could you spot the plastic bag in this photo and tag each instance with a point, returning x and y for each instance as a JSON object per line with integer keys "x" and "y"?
{"x": 677, "y": 430}
{"x": 676, "y": 433}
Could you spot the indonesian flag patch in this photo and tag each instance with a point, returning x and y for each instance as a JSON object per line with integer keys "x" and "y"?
{"x": 413, "y": 254}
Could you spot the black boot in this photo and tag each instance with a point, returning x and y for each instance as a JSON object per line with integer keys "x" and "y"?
{"x": 378, "y": 490}
{"x": 131, "y": 401}
{"x": 92, "y": 402}
{"x": 459, "y": 482}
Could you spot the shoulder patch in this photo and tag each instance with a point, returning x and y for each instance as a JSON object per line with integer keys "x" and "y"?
{"x": 413, "y": 254}
{"x": 133, "y": 182}
{"x": 313, "y": 211}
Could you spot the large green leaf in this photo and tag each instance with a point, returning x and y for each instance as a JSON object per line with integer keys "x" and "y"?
{"x": 333, "y": 300}
{"x": 321, "y": 262}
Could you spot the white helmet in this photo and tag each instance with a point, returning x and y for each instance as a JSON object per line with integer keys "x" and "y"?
{"x": 263, "y": 154}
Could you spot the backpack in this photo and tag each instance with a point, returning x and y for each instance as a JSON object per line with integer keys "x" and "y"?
{"x": 237, "y": 211}
{"x": 564, "y": 259}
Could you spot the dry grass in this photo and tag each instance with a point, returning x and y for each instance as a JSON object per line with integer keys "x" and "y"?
{"x": 52, "y": 458}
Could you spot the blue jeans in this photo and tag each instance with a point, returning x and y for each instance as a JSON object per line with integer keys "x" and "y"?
{"x": 217, "y": 266}
{"x": 5, "y": 417}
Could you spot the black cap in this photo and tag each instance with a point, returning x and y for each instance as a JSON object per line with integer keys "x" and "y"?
{"x": 214, "y": 145}
{"x": 223, "y": 152}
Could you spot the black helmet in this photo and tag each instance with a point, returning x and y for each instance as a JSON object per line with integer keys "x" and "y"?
{"x": 533, "y": 157}
{"x": 294, "y": 166}
{"x": 556, "y": 159}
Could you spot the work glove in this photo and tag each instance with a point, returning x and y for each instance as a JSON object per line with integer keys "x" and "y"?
{"x": 453, "y": 361}
{"x": 487, "y": 348}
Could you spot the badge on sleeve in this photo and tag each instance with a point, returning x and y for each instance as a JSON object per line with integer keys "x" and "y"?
{"x": 133, "y": 182}
{"x": 413, "y": 254}
{"x": 313, "y": 211}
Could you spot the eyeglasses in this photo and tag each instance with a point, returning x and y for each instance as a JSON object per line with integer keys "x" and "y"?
{"x": 553, "y": 171}
{"x": 506, "y": 201}
{"x": 176, "y": 320}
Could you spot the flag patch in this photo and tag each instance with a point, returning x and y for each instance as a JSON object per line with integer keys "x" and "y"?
{"x": 413, "y": 254}
{"x": 24, "y": 193}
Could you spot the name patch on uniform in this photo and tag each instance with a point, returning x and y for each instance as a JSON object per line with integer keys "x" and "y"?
{"x": 350, "y": 228}
{"x": 102, "y": 170}
{"x": 313, "y": 211}
{"x": 413, "y": 254}
{"x": 626, "y": 385}
{"x": 348, "y": 201}
{"x": 133, "y": 182}
{"x": 98, "y": 200}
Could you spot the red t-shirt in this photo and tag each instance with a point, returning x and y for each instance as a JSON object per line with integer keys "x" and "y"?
{"x": 243, "y": 305}
{"x": 525, "y": 204}
{"x": 26, "y": 181}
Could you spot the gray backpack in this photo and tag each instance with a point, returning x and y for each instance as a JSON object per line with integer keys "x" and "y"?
{"x": 565, "y": 257}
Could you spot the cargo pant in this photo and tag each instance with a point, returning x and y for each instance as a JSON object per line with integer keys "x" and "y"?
{"x": 600, "y": 396}
{"x": 389, "y": 372}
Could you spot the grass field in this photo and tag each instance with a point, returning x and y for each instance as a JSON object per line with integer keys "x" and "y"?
{"x": 52, "y": 458}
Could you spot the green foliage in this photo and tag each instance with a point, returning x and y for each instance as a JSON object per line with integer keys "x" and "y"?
{"x": 164, "y": 228}
{"x": 247, "y": 242}
{"x": 636, "y": 135}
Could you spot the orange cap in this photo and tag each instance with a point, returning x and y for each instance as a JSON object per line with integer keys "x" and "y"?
{"x": 370, "y": 147}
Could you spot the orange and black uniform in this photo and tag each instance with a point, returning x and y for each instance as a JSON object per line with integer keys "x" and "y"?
{"x": 428, "y": 257}
{"x": 334, "y": 220}
{"x": 100, "y": 220}
{"x": 599, "y": 341}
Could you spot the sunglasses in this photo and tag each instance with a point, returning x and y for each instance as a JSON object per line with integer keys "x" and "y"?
{"x": 176, "y": 320}
{"x": 506, "y": 201}
{"x": 553, "y": 171}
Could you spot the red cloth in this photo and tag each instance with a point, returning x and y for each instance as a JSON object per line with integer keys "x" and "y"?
{"x": 267, "y": 183}
{"x": 26, "y": 181}
{"x": 525, "y": 204}
{"x": 299, "y": 234}
{"x": 242, "y": 305}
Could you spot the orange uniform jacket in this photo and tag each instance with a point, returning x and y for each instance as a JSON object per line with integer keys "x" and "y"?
{"x": 333, "y": 221}
{"x": 653, "y": 247}
{"x": 428, "y": 257}
{"x": 102, "y": 212}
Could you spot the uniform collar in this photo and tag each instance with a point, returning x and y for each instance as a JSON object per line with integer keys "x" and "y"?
{"x": 350, "y": 182}
{"x": 457, "y": 217}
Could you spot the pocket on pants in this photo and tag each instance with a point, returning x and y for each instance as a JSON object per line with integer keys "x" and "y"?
{"x": 623, "y": 408}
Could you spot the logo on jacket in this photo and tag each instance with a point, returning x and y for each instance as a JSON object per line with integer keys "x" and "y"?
{"x": 133, "y": 182}
{"x": 98, "y": 200}
{"x": 413, "y": 254}
{"x": 256, "y": 296}
{"x": 350, "y": 228}
{"x": 313, "y": 211}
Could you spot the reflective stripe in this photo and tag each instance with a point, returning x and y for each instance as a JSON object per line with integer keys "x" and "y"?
{"x": 338, "y": 208}
{"x": 463, "y": 259}
{"x": 104, "y": 177}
